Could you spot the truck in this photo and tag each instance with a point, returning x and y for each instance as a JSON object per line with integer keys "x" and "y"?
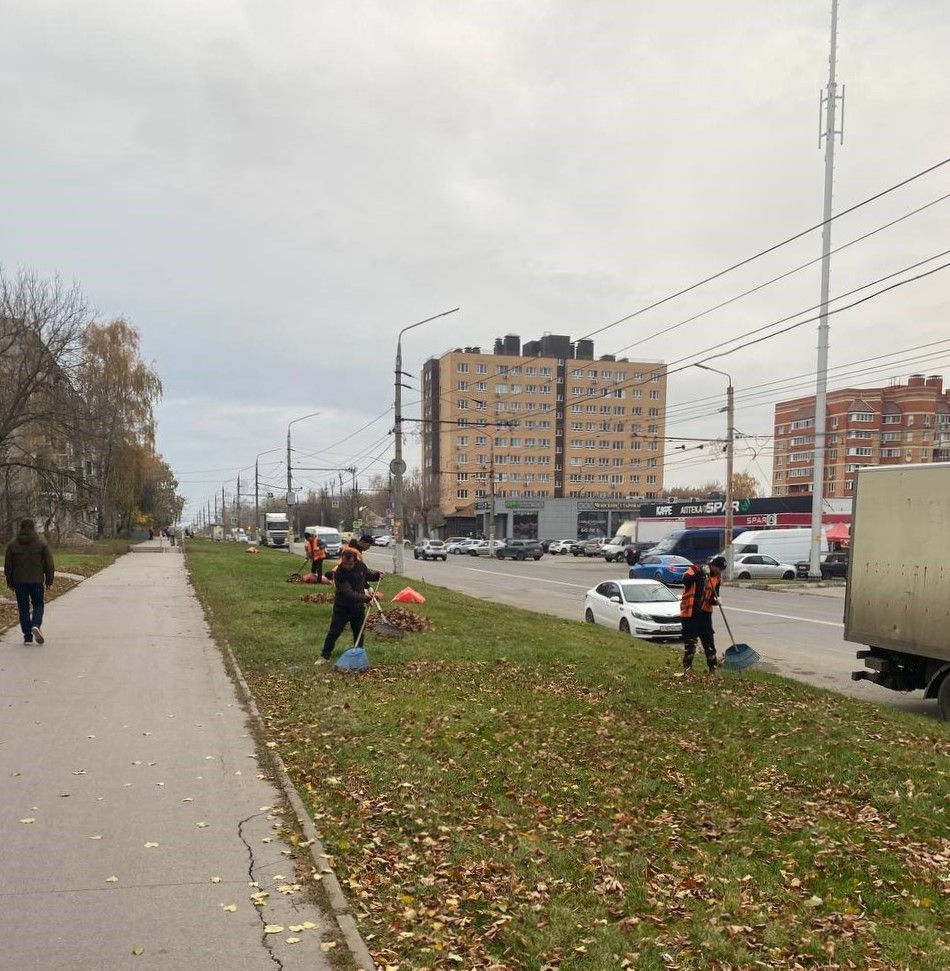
{"x": 273, "y": 529}
{"x": 787, "y": 545}
{"x": 898, "y": 594}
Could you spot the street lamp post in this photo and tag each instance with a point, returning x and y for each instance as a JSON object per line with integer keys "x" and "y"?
{"x": 257, "y": 504}
{"x": 730, "y": 448}
{"x": 398, "y": 466}
{"x": 290, "y": 486}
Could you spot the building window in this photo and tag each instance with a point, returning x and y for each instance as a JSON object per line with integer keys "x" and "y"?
{"x": 481, "y": 369}
{"x": 462, "y": 368}
{"x": 860, "y": 416}
{"x": 654, "y": 395}
{"x": 803, "y": 423}
{"x": 461, "y": 493}
{"x": 461, "y": 404}
{"x": 890, "y": 419}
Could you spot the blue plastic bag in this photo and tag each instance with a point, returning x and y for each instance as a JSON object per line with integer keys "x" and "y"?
{"x": 355, "y": 659}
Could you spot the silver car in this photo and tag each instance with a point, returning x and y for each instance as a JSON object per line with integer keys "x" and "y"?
{"x": 760, "y": 566}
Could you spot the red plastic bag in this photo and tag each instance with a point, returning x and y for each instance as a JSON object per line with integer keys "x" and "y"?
{"x": 409, "y": 596}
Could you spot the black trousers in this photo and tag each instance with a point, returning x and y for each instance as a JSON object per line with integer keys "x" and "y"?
{"x": 316, "y": 567}
{"x": 342, "y": 616}
{"x": 699, "y": 628}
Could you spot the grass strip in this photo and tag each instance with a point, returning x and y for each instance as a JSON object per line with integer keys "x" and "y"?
{"x": 510, "y": 790}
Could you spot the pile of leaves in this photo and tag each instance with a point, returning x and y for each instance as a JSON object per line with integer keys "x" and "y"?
{"x": 317, "y": 598}
{"x": 403, "y": 619}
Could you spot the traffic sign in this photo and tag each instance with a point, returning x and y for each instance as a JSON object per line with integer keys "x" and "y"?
{"x": 397, "y": 467}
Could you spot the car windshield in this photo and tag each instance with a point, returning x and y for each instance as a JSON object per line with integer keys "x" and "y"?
{"x": 639, "y": 593}
{"x": 670, "y": 560}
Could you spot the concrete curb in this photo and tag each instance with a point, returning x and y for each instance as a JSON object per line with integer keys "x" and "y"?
{"x": 340, "y": 907}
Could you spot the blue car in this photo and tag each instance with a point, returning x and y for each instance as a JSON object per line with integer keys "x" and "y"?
{"x": 665, "y": 567}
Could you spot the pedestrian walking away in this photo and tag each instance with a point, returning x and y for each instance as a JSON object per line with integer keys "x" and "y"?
{"x": 700, "y": 594}
{"x": 351, "y": 581}
{"x": 28, "y": 569}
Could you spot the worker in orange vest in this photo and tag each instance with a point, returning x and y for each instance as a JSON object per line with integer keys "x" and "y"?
{"x": 700, "y": 594}
{"x": 316, "y": 553}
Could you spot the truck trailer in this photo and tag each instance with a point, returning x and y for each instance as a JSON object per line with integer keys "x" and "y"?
{"x": 274, "y": 529}
{"x": 898, "y": 596}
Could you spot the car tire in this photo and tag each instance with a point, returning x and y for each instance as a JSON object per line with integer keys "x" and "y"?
{"x": 788, "y": 575}
{"x": 415, "y": 555}
{"x": 520, "y": 556}
{"x": 744, "y": 576}
{"x": 577, "y": 554}
{"x": 538, "y": 557}
{"x": 444, "y": 559}
{"x": 624, "y": 625}
{"x": 658, "y": 576}
{"x": 499, "y": 556}
{"x": 589, "y": 616}
{"x": 943, "y": 698}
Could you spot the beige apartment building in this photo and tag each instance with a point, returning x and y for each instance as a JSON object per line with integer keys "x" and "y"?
{"x": 893, "y": 425}
{"x": 542, "y": 421}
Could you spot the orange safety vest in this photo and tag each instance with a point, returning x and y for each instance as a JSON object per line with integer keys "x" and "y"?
{"x": 315, "y": 552}
{"x": 710, "y": 593}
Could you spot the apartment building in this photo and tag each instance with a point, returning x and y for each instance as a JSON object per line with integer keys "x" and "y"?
{"x": 543, "y": 420}
{"x": 897, "y": 424}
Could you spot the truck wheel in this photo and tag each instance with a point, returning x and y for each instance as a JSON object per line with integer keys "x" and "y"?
{"x": 943, "y": 697}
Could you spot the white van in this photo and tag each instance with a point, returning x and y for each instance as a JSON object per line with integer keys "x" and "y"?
{"x": 331, "y": 537}
{"x": 786, "y": 545}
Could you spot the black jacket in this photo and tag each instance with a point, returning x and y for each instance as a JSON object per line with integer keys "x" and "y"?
{"x": 351, "y": 586}
{"x": 28, "y": 559}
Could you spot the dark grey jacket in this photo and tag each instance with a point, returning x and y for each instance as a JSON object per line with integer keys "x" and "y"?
{"x": 28, "y": 559}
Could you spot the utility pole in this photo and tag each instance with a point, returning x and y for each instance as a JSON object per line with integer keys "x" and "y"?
{"x": 398, "y": 467}
{"x": 222, "y": 509}
{"x": 237, "y": 500}
{"x": 829, "y": 102}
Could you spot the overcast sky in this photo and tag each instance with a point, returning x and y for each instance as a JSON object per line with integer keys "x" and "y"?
{"x": 270, "y": 191}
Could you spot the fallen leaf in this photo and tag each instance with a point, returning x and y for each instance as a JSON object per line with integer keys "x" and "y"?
{"x": 229, "y": 908}
{"x": 149, "y": 846}
{"x": 138, "y": 951}
{"x": 28, "y": 819}
{"x": 273, "y": 928}
{"x": 95, "y": 837}
{"x": 201, "y": 825}
{"x": 293, "y": 940}
{"x": 327, "y": 946}
{"x": 216, "y": 879}
{"x": 112, "y": 879}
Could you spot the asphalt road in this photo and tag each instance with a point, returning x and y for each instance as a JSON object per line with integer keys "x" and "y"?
{"x": 798, "y": 631}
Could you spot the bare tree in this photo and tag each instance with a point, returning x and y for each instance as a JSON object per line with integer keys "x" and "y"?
{"x": 42, "y": 324}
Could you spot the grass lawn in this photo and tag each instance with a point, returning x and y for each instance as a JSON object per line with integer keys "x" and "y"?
{"x": 510, "y": 791}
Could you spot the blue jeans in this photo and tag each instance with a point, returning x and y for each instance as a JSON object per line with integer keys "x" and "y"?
{"x": 27, "y": 593}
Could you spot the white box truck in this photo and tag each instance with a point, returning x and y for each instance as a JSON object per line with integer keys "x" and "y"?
{"x": 786, "y": 545}
{"x": 898, "y": 596}
{"x": 274, "y": 529}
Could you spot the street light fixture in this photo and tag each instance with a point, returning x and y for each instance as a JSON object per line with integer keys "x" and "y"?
{"x": 730, "y": 437}
{"x": 290, "y": 487}
{"x": 398, "y": 466}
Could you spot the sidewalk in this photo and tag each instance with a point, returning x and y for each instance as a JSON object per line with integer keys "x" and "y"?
{"x": 131, "y": 808}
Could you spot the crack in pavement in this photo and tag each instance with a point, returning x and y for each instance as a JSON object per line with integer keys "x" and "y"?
{"x": 250, "y": 877}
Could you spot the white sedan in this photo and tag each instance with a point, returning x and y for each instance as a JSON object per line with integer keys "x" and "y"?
{"x": 482, "y": 547}
{"x": 383, "y": 541}
{"x": 561, "y": 546}
{"x": 644, "y": 608}
{"x": 759, "y": 566}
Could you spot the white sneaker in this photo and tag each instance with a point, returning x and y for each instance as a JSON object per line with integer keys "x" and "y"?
{"x": 320, "y": 661}
{"x": 38, "y": 635}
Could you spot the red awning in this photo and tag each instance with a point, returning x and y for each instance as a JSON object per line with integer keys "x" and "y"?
{"x": 838, "y": 533}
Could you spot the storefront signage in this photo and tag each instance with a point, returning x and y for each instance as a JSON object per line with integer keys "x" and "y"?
{"x": 712, "y": 507}
{"x": 524, "y": 504}
{"x": 609, "y": 504}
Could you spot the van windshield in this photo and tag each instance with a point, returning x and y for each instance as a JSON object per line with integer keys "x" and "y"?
{"x": 620, "y": 539}
{"x": 667, "y": 544}
{"x": 738, "y": 548}
{"x": 331, "y": 538}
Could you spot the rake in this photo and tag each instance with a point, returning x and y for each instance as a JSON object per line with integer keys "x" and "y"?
{"x": 384, "y": 627}
{"x": 737, "y": 656}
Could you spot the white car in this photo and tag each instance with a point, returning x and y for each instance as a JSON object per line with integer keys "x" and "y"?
{"x": 459, "y": 545}
{"x": 430, "y": 549}
{"x": 383, "y": 541}
{"x": 561, "y": 546}
{"x": 644, "y": 608}
{"x": 761, "y": 566}
{"x": 484, "y": 547}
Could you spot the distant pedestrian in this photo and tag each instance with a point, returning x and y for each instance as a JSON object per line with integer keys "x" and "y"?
{"x": 351, "y": 596}
{"x": 700, "y": 594}
{"x": 632, "y": 554}
{"x": 28, "y": 568}
{"x": 151, "y": 533}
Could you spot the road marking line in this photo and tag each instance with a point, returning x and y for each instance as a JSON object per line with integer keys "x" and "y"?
{"x": 520, "y": 576}
{"x": 767, "y": 613}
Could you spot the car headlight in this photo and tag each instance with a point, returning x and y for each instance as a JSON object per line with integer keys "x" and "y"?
{"x": 639, "y": 615}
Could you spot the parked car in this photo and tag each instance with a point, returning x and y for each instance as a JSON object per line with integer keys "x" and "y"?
{"x": 664, "y": 567}
{"x": 760, "y": 566}
{"x": 459, "y": 545}
{"x": 831, "y": 564}
{"x": 645, "y": 608}
{"x": 483, "y": 547}
{"x": 430, "y": 549}
{"x": 384, "y": 541}
{"x": 546, "y": 545}
{"x": 577, "y": 547}
{"x": 520, "y": 549}
{"x": 592, "y": 547}
{"x": 560, "y": 546}
{"x": 239, "y": 536}
{"x": 452, "y": 540}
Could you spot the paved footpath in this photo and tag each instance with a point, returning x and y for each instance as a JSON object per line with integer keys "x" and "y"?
{"x": 131, "y": 809}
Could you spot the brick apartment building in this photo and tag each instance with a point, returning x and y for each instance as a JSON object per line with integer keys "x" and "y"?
{"x": 898, "y": 424}
{"x": 545, "y": 420}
